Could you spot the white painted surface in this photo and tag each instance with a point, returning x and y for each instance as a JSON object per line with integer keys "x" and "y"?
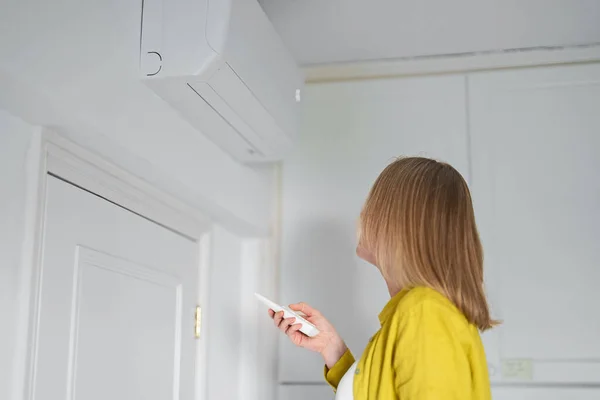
{"x": 350, "y": 132}
{"x": 350, "y": 30}
{"x": 534, "y": 154}
{"x": 242, "y": 352}
{"x": 258, "y": 357}
{"x": 452, "y": 64}
{"x": 224, "y": 322}
{"x": 541, "y": 393}
{"x": 75, "y": 66}
{"x": 303, "y": 392}
{"x": 83, "y": 168}
{"x": 117, "y": 299}
{"x": 51, "y": 154}
{"x": 15, "y": 140}
{"x": 536, "y": 157}
{"x": 324, "y": 392}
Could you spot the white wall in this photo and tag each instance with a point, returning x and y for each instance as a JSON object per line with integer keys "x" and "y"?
{"x": 15, "y": 140}
{"x": 231, "y": 287}
{"x": 74, "y": 66}
{"x": 242, "y": 341}
{"x": 351, "y": 130}
{"x": 258, "y": 358}
{"x": 527, "y": 142}
{"x": 223, "y": 317}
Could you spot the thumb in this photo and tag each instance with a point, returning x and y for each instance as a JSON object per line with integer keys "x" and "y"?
{"x": 305, "y": 309}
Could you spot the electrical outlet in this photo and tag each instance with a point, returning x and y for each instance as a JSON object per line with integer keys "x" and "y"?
{"x": 517, "y": 369}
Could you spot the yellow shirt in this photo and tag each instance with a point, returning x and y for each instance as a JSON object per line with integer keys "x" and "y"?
{"x": 425, "y": 350}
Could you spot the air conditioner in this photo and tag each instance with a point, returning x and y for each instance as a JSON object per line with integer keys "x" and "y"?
{"x": 223, "y": 67}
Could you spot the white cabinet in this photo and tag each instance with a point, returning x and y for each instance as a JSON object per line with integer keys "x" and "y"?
{"x": 324, "y": 392}
{"x": 350, "y": 132}
{"x": 528, "y": 142}
{"x": 535, "y": 140}
{"x": 544, "y": 393}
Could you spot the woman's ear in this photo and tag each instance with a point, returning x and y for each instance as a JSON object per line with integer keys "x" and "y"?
{"x": 364, "y": 254}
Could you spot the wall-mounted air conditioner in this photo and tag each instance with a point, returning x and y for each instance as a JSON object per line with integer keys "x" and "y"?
{"x": 223, "y": 67}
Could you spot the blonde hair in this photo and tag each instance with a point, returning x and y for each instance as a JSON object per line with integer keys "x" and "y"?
{"x": 419, "y": 224}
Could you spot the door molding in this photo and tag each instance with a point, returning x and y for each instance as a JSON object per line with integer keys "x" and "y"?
{"x": 85, "y": 169}
{"x": 51, "y": 154}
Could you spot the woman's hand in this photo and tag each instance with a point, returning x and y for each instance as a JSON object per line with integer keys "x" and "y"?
{"x": 327, "y": 343}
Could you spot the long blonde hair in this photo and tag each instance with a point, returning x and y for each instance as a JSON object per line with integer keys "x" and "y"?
{"x": 419, "y": 224}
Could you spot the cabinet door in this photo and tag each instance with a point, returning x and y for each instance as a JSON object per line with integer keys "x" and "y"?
{"x": 535, "y": 139}
{"x": 350, "y": 132}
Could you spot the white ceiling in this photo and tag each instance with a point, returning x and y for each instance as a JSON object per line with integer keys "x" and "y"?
{"x": 325, "y": 31}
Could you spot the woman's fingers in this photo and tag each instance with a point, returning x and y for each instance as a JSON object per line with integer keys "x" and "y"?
{"x": 289, "y": 326}
{"x": 277, "y": 317}
{"x": 295, "y": 336}
{"x": 285, "y": 324}
{"x": 293, "y": 328}
{"x": 282, "y": 323}
{"x": 305, "y": 308}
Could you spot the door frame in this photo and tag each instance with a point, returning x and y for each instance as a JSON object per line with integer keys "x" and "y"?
{"x": 52, "y": 155}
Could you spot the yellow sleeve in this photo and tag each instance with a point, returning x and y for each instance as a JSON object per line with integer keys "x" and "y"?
{"x": 334, "y": 375}
{"x": 428, "y": 364}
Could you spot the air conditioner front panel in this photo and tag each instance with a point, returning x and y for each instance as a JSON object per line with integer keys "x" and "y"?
{"x": 259, "y": 57}
{"x": 222, "y": 66}
{"x": 194, "y": 108}
{"x": 244, "y": 104}
{"x": 236, "y": 121}
{"x": 173, "y": 39}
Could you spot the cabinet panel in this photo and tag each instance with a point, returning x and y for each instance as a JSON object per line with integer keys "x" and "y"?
{"x": 547, "y": 393}
{"x": 535, "y": 137}
{"x": 324, "y": 392}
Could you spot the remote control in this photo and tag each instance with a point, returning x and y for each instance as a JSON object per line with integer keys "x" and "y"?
{"x": 307, "y": 328}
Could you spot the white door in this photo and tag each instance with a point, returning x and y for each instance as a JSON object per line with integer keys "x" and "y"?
{"x": 117, "y": 301}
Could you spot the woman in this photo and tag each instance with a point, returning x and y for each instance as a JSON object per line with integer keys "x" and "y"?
{"x": 418, "y": 228}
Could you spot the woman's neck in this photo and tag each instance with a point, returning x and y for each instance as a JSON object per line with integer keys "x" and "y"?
{"x": 393, "y": 288}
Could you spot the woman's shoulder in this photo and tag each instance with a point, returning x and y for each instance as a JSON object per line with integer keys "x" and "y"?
{"x": 423, "y": 314}
{"x": 427, "y": 303}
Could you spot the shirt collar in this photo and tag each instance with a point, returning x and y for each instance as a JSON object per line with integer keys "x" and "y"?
{"x": 391, "y": 305}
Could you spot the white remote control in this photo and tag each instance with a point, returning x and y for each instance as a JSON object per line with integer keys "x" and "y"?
{"x": 307, "y": 328}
